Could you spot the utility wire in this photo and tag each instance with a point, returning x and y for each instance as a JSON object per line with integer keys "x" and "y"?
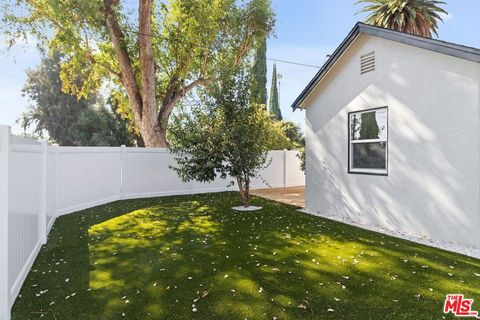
{"x": 296, "y": 63}
{"x": 271, "y": 59}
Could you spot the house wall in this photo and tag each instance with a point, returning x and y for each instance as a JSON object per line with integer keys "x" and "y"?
{"x": 432, "y": 188}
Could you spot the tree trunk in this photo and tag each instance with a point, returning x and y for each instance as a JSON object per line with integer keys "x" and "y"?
{"x": 244, "y": 193}
{"x": 244, "y": 197}
{"x": 163, "y": 137}
{"x": 153, "y": 135}
{"x": 143, "y": 101}
{"x": 150, "y": 129}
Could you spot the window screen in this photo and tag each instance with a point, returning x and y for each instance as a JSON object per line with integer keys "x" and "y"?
{"x": 368, "y": 141}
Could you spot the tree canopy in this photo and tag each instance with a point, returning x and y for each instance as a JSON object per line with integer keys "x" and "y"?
{"x": 67, "y": 120}
{"x": 418, "y": 17}
{"x": 150, "y": 60}
{"x": 293, "y": 133}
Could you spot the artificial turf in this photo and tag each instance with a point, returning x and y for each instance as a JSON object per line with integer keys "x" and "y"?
{"x": 192, "y": 257}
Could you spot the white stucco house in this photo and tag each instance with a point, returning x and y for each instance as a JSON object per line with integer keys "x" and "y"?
{"x": 393, "y": 135}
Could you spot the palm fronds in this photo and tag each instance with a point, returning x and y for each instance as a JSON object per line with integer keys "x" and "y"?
{"x": 418, "y": 17}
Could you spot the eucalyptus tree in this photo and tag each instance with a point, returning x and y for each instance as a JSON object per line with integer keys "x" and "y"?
{"x": 149, "y": 58}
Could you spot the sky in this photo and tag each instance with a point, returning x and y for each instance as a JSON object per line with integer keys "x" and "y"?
{"x": 306, "y": 32}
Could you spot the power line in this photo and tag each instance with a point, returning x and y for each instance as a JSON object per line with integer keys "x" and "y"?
{"x": 271, "y": 59}
{"x": 296, "y": 63}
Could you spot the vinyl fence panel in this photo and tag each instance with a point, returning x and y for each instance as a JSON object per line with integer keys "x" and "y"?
{"x": 86, "y": 177}
{"x": 294, "y": 175}
{"x": 39, "y": 182}
{"x": 4, "y": 224}
{"x": 272, "y": 176}
{"x": 146, "y": 173}
{"x": 26, "y": 209}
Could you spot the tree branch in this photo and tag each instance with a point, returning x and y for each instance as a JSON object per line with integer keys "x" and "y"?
{"x": 127, "y": 76}
{"x": 170, "y": 92}
{"x": 92, "y": 60}
{"x": 243, "y": 49}
{"x": 168, "y": 106}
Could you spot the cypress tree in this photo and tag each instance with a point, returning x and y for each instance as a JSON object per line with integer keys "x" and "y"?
{"x": 274, "y": 105}
{"x": 259, "y": 72}
{"x": 369, "y": 128}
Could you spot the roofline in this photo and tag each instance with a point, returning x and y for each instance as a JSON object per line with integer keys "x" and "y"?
{"x": 448, "y": 48}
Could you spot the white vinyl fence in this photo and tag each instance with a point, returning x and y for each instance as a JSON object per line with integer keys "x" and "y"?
{"x": 39, "y": 182}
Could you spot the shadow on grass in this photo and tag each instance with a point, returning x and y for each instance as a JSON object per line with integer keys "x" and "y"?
{"x": 192, "y": 257}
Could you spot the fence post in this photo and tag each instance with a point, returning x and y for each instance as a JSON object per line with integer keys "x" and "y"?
{"x": 285, "y": 169}
{"x": 55, "y": 176}
{"x": 42, "y": 223}
{"x": 123, "y": 153}
{"x": 4, "y": 235}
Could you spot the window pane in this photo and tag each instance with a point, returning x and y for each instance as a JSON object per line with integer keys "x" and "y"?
{"x": 369, "y": 125}
{"x": 369, "y": 155}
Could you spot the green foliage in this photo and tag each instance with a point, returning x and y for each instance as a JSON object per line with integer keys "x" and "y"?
{"x": 153, "y": 258}
{"x": 285, "y": 135}
{"x": 278, "y": 140}
{"x": 207, "y": 36}
{"x": 297, "y": 141}
{"x": 225, "y": 136}
{"x": 99, "y": 126}
{"x": 68, "y": 120}
{"x": 121, "y": 107}
{"x": 418, "y": 17}
{"x": 293, "y": 132}
{"x": 274, "y": 103}
{"x": 369, "y": 127}
{"x": 259, "y": 72}
{"x": 303, "y": 157}
{"x": 195, "y": 42}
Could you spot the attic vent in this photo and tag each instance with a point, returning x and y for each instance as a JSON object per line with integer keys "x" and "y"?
{"x": 367, "y": 62}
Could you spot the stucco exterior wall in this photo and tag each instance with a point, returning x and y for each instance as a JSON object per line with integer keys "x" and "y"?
{"x": 433, "y": 185}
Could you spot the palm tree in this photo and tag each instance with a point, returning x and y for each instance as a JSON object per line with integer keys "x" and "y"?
{"x": 418, "y": 17}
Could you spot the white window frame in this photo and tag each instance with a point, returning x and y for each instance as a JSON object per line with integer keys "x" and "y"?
{"x": 351, "y": 142}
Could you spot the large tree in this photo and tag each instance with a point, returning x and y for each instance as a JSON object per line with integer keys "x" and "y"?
{"x": 153, "y": 59}
{"x": 67, "y": 120}
{"x": 274, "y": 103}
{"x": 259, "y": 75}
{"x": 418, "y": 17}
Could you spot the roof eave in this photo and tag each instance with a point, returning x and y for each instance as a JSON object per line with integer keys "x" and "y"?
{"x": 326, "y": 66}
{"x": 451, "y": 49}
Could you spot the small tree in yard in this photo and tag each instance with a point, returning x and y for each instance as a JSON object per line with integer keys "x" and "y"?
{"x": 223, "y": 136}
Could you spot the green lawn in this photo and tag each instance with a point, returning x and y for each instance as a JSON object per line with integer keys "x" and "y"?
{"x": 192, "y": 257}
